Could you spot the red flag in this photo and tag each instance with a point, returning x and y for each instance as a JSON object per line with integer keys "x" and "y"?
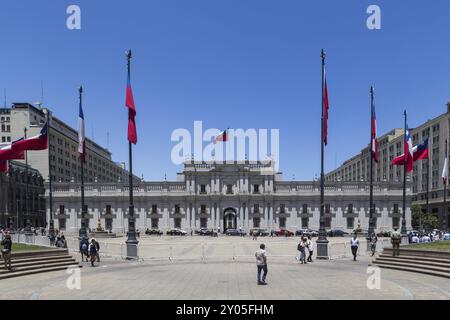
{"x": 39, "y": 142}
{"x": 12, "y": 152}
{"x": 222, "y": 137}
{"x": 374, "y": 136}
{"x": 3, "y": 166}
{"x": 326, "y": 107}
{"x": 132, "y": 134}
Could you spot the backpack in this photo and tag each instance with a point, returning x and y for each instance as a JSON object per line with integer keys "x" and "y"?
{"x": 84, "y": 247}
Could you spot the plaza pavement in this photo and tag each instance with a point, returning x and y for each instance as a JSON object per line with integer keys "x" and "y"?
{"x": 224, "y": 278}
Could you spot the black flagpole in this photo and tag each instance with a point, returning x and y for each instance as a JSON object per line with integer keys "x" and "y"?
{"x": 84, "y": 224}
{"x": 51, "y": 227}
{"x": 371, "y": 166}
{"x": 27, "y": 192}
{"x": 403, "y": 231}
{"x": 322, "y": 242}
{"x": 131, "y": 239}
{"x": 445, "y": 215}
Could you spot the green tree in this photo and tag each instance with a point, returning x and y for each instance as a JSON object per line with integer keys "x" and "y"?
{"x": 428, "y": 219}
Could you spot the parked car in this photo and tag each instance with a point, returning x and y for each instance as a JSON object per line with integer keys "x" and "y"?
{"x": 153, "y": 232}
{"x": 337, "y": 233}
{"x": 204, "y": 232}
{"x": 284, "y": 233}
{"x": 446, "y": 237}
{"x": 234, "y": 232}
{"x": 307, "y": 232}
{"x": 176, "y": 232}
{"x": 259, "y": 232}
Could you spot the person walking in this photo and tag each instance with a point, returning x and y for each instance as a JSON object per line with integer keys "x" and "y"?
{"x": 97, "y": 245}
{"x": 354, "y": 244}
{"x": 301, "y": 248}
{"x": 84, "y": 249}
{"x": 6, "y": 251}
{"x": 396, "y": 238}
{"x": 310, "y": 246}
{"x": 261, "y": 264}
{"x": 92, "y": 252}
{"x": 255, "y": 235}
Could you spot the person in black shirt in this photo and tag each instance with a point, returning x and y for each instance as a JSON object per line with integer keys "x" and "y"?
{"x": 6, "y": 251}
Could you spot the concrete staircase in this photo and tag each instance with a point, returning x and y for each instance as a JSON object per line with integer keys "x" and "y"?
{"x": 433, "y": 263}
{"x": 41, "y": 261}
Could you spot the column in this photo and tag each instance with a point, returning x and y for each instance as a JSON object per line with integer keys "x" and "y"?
{"x": 188, "y": 217}
{"x": 241, "y": 217}
{"x": 271, "y": 215}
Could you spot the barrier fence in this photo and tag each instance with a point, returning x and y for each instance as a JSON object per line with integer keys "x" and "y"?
{"x": 203, "y": 251}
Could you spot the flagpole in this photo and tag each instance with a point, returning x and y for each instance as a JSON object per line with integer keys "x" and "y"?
{"x": 51, "y": 228}
{"x": 322, "y": 242}
{"x": 83, "y": 228}
{"x": 445, "y": 216}
{"x": 27, "y": 213}
{"x": 403, "y": 230}
{"x": 131, "y": 239}
{"x": 370, "y": 231}
{"x": 428, "y": 194}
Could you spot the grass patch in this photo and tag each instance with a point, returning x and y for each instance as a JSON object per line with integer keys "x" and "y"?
{"x": 26, "y": 247}
{"x": 437, "y": 246}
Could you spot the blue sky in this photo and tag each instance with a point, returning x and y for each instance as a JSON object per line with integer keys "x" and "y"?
{"x": 230, "y": 63}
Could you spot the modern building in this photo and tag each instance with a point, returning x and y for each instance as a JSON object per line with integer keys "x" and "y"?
{"x": 222, "y": 195}
{"x": 5, "y": 125}
{"x": 391, "y": 145}
{"x": 20, "y": 201}
{"x": 63, "y": 148}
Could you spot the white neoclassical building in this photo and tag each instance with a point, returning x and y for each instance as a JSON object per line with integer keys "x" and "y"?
{"x": 230, "y": 195}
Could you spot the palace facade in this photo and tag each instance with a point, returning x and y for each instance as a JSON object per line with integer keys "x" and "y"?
{"x": 230, "y": 195}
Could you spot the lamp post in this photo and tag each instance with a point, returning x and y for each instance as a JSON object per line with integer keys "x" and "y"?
{"x": 51, "y": 227}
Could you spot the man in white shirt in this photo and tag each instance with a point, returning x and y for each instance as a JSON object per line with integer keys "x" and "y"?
{"x": 261, "y": 263}
{"x": 354, "y": 244}
{"x": 415, "y": 239}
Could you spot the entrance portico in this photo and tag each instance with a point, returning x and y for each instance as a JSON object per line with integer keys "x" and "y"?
{"x": 229, "y": 219}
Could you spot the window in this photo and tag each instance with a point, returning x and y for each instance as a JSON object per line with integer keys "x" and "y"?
{"x": 350, "y": 223}
{"x": 350, "y": 209}
{"x": 327, "y": 208}
{"x": 396, "y": 222}
{"x": 155, "y": 223}
{"x": 154, "y": 209}
{"x": 256, "y": 188}
{"x": 282, "y": 223}
{"x": 61, "y": 210}
{"x": 62, "y": 224}
{"x": 256, "y": 208}
{"x": 305, "y": 223}
{"x": 203, "y": 209}
{"x": 109, "y": 223}
{"x": 177, "y": 209}
{"x": 282, "y": 208}
{"x": 328, "y": 222}
{"x": 256, "y": 222}
{"x": 203, "y": 188}
{"x": 395, "y": 208}
{"x": 305, "y": 208}
{"x": 229, "y": 189}
{"x": 177, "y": 223}
{"x": 203, "y": 223}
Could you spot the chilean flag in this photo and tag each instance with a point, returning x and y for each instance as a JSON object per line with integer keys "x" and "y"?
{"x": 129, "y": 103}
{"x": 36, "y": 143}
{"x": 408, "y": 151}
{"x": 374, "y": 136}
{"x": 445, "y": 170}
{"x": 11, "y": 152}
{"x": 420, "y": 152}
{"x": 81, "y": 135}
{"x": 326, "y": 108}
{"x": 222, "y": 137}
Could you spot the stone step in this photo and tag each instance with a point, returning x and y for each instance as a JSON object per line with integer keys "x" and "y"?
{"x": 41, "y": 258}
{"x": 39, "y": 253}
{"x": 37, "y": 267}
{"x": 415, "y": 270}
{"x": 415, "y": 258}
{"x": 43, "y": 262}
{"x": 412, "y": 265}
{"x": 22, "y": 273}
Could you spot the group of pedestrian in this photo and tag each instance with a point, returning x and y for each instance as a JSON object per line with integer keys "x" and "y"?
{"x": 305, "y": 245}
{"x": 90, "y": 250}
{"x": 425, "y": 237}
